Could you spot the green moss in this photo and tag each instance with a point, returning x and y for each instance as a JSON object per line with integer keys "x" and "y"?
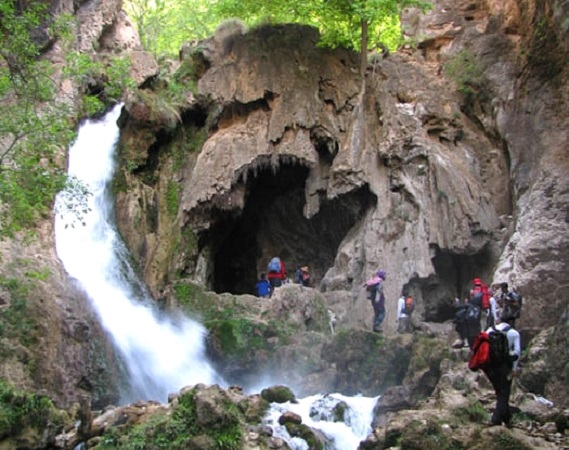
{"x": 172, "y": 198}
{"x": 474, "y": 412}
{"x": 304, "y": 432}
{"x": 20, "y": 410}
{"x": 506, "y": 441}
{"x": 427, "y": 437}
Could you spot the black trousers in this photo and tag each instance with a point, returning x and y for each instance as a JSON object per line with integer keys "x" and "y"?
{"x": 501, "y": 380}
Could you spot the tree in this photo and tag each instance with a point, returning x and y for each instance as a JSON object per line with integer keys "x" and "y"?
{"x": 37, "y": 124}
{"x": 351, "y": 23}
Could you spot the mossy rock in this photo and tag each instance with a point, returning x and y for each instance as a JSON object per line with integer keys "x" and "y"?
{"x": 278, "y": 394}
{"x": 306, "y": 433}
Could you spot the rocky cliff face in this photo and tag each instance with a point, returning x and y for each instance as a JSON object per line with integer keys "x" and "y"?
{"x": 282, "y": 147}
{"x": 435, "y": 175}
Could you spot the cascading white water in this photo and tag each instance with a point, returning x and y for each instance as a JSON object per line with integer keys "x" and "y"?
{"x": 161, "y": 355}
{"x": 345, "y": 427}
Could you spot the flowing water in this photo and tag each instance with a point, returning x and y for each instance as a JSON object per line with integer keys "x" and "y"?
{"x": 161, "y": 354}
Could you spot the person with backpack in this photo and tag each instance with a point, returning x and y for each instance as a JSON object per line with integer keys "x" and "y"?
{"x": 510, "y": 302}
{"x": 374, "y": 287}
{"x": 480, "y": 295}
{"x": 276, "y": 273}
{"x": 497, "y": 353}
{"x": 405, "y": 307}
{"x": 263, "y": 287}
{"x": 467, "y": 322}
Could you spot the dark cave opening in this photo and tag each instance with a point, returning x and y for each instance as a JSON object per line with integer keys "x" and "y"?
{"x": 272, "y": 224}
{"x": 454, "y": 275}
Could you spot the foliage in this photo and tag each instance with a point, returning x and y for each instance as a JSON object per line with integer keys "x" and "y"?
{"x": 19, "y": 410}
{"x": 474, "y": 412}
{"x": 427, "y": 437}
{"x": 163, "y": 25}
{"x": 465, "y": 69}
{"x": 16, "y": 321}
{"x": 506, "y": 441}
{"x": 41, "y": 122}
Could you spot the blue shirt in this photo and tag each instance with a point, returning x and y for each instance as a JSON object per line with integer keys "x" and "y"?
{"x": 263, "y": 288}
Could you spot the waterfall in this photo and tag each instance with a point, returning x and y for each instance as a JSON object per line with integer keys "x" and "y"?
{"x": 161, "y": 354}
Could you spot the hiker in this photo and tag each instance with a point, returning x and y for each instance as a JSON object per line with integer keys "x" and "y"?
{"x": 298, "y": 275}
{"x": 480, "y": 296}
{"x": 510, "y": 302}
{"x": 374, "y": 287}
{"x": 277, "y": 273}
{"x": 493, "y": 313}
{"x": 305, "y": 276}
{"x": 467, "y": 322}
{"x": 263, "y": 287}
{"x": 501, "y": 374}
{"x": 405, "y": 307}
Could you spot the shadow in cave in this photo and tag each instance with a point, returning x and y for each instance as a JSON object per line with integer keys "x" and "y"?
{"x": 272, "y": 224}
{"x": 454, "y": 275}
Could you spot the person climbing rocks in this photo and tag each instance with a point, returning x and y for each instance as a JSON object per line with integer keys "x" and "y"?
{"x": 502, "y": 373}
{"x": 405, "y": 308}
{"x": 374, "y": 287}
{"x": 263, "y": 287}
{"x": 480, "y": 296}
{"x": 276, "y": 273}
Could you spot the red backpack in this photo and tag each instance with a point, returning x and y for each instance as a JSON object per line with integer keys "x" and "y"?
{"x": 480, "y": 355}
{"x": 482, "y": 293}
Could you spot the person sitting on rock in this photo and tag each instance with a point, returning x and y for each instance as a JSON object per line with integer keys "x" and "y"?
{"x": 305, "y": 276}
{"x": 263, "y": 287}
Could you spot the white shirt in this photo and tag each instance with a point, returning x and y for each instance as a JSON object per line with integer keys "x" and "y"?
{"x": 493, "y": 310}
{"x": 513, "y": 340}
{"x": 400, "y": 308}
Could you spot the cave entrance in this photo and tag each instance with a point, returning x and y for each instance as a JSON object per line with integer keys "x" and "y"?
{"x": 453, "y": 279}
{"x": 272, "y": 224}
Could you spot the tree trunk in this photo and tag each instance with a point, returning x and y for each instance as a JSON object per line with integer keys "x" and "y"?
{"x": 363, "y": 48}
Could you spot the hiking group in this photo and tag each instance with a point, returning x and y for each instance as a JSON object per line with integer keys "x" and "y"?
{"x": 276, "y": 276}
{"x": 497, "y": 349}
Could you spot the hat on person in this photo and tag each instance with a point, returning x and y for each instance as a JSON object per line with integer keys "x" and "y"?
{"x": 477, "y": 281}
{"x": 304, "y": 268}
{"x": 381, "y": 274}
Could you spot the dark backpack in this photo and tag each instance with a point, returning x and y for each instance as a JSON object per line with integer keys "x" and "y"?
{"x": 409, "y": 305}
{"x": 274, "y": 265}
{"x": 372, "y": 291}
{"x": 472, "y": 314}
{"x": 499, "y": 347}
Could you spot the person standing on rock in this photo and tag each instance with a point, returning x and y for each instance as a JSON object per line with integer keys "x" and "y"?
{"x": 374, "y": 287}
{"x": 502, "y": 374}
{"x": 405, "y": 308}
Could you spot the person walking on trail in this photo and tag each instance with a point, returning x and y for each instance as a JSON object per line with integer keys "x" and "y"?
{"x": 501, "y": 373}
{"x": 405, "y": 308}
{"x": 276, "y": 273}
{"x": 374, "y": 287}
{"x": 263, "y": 287}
